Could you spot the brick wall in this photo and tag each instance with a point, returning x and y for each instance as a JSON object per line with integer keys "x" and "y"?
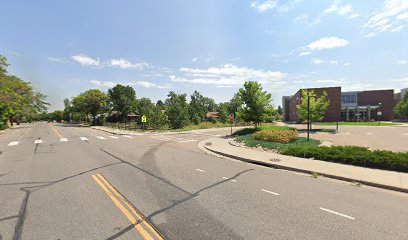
{"x": 333, "y": 113}
{"x": 373, "y": 98}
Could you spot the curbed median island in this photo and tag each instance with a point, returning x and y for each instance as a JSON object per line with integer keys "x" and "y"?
{"x": 285, "y": 140}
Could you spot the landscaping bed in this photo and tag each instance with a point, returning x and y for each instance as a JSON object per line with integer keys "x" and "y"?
{"x": 284, "y": 140}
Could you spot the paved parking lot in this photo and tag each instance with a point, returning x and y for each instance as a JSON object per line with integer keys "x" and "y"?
{"x": 387, "y": 138}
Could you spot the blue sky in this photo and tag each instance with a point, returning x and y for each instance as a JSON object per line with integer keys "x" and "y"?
{"x": 67, "y": 47}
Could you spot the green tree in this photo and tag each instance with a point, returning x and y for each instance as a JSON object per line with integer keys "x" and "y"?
{"x": 91, "y": 102}
{"x": 223, "y": 109}
{"x": 146, "y": 107}
{"x": 402, "y": 106}
{"x": 318, "y": 105}
{"x": 159, "y": 119}
{"x": 280, "y": 110}
{"x": 199, "y": 106}
{"x": 177, "y": 110}
{"x": 122, "y": 99}
{"x": 255, "y": 101}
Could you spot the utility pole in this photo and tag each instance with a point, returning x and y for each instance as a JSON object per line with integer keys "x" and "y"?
{"x": 308, "y": 117}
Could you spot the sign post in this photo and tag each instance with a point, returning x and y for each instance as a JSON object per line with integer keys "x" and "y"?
{"x": 144, "y": 120}
{"x": 232, "y": 117}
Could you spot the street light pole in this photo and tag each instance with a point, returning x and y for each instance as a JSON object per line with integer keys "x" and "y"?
{"x": 308, "y": 117}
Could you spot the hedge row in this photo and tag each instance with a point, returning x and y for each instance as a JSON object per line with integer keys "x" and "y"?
{"x": 285, "y": 136}
{"x": 358, "y": 156}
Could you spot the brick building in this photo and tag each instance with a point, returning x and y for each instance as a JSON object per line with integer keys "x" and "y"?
{"x": 375, "y": 105}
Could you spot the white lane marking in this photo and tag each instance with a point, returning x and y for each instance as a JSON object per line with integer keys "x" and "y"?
{"x": 337, "y": 213}
{"x": 232, "y": 180}
{"x": 83, "y": 138}
{"x": 206, "y": 134}
{"x": 100, "y": 137}
{"x": 63, "y": 140}
{"x": 200, "y": 170}
{"x": 274, "y": 193}
{"x": 162, "y": 139}
{"x": 369, "y": 133}
{"x": 38, "y": 141}
{"x": 127, "y": 136}
{"x": 406, "y": 134}
{"x": 192, "y": 140}
{"x": 13, "y": 143}
{"x": 113, "y": 137}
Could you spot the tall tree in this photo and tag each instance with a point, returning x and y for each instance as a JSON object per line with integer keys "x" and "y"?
{"x": 91, "y": 102}
{"x": 280, "y": 110}
{"x": 177, "y": 110}
{"x": 318, "y": 105}
{"x": 255, "y": 101}
{"x": 122, "y": 99}
{"x": 402, "y": 106}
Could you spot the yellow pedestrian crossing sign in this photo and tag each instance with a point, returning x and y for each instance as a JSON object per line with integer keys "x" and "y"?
{"x": 144, "y": 119}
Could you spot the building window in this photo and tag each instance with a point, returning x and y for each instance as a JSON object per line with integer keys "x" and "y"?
{"x": 349, "y": 99}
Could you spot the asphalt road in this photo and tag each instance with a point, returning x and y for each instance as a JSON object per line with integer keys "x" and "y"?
{"x": 81, "y": 183}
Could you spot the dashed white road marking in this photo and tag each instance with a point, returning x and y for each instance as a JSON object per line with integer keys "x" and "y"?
{"x": 192, "y": 140}
{"x": 200, "y": 170}
{"x": 63, "y": 140}
{"x": 232, "y": 180}
{"x": 38, "y": 141}
{"x": 13, "y": 143}
{"x": 267, "y": 191}
{"x": 369, "y": 133}
{"x": 100, "y": 137}
{"x": 337, "y": 213}
{"x": 406, "y": 134}
{"x": 113, "y": 137}
{"x": 162, "y": 138}
{"x": 127, "y": 136}
{"x": 83, "y": 138}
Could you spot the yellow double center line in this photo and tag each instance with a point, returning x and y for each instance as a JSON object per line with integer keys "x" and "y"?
{"x": 56, "y": 131}
{"x": 140, "y": 223}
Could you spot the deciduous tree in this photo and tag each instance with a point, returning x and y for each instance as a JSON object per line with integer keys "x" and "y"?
{"x": 255, "y": 100}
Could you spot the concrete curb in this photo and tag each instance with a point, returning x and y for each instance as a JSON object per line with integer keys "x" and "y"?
{"x": 277, "y": 166}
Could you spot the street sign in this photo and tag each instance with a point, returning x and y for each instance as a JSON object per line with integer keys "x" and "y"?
{"x": 144, "y": 119}
{"x": 232, "y": 117}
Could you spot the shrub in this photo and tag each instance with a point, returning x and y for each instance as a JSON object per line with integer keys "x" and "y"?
{"x": 246, "y": 131}
{"x": 284, "y": 136}
{"x": 358, "y": 156}
{"x": 249, "y": 141}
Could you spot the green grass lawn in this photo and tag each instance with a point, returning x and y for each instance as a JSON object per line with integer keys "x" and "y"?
{"x": 249, "y": 141}
{"x": 356, "y": 124}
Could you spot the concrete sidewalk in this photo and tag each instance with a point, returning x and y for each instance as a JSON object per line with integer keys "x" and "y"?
{"x": 373, "y": 177}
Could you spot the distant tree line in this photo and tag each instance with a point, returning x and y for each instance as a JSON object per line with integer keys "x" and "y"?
{"x": 251, "y": 104}
{"x": 18, "y": 101}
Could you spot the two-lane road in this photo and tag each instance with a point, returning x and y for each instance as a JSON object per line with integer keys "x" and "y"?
{"x": 61, "y": 181}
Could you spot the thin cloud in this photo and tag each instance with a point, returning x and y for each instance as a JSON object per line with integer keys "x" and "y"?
{"x": 146, "y": 84}
{"x": 102, "y": 84}
{"x": 125, "y": 64}
{"x": 392, "y": 17}
{"x": 226, "y": 75}
{"x": 264, "y": 6}
{"x": 328, "y": 43}
{"x": 86, "y": 61}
